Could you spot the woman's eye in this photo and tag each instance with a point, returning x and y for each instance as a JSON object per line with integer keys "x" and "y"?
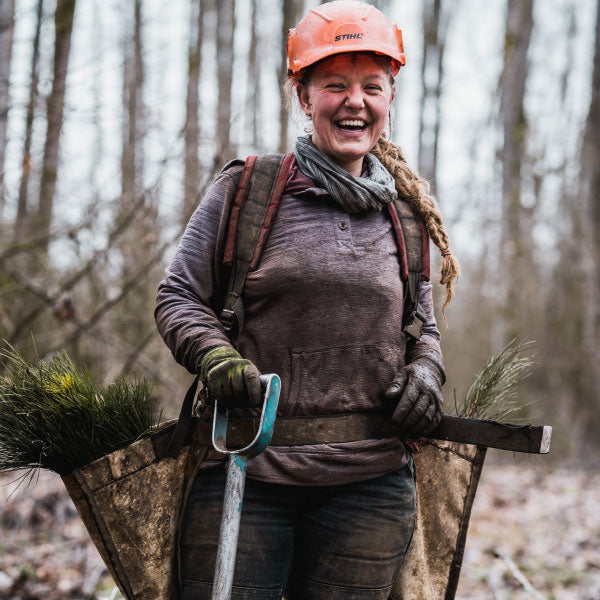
{"x": 374, "y": 88}
{"x": 335, "y": 86}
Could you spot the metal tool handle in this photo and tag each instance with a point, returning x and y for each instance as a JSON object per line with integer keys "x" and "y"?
{"x": 272, "y": 386}
{"x": 236, "y": 481}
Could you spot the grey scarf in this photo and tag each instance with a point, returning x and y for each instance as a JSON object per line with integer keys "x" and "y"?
{"x": 353, "y": 194}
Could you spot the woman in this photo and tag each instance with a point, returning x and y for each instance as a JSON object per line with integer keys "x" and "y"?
{"x": 324, "y": 311}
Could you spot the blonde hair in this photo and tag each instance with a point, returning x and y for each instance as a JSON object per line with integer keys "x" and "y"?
{"x": 415, "y": 191}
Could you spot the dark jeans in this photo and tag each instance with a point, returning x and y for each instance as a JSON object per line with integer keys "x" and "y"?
{"x": 315, "y": 543}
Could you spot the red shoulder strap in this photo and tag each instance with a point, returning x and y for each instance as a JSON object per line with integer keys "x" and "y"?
{"x": 426, "y": 273}
{"x": 413, "y": 254}
{"x": 271, "y": 211}
{"x": 234, "y": 215}
{"x": 274, "y": 202}
{"x": 414, "y": 257}
{"x": 400, "y": 244}
{"x": 251, "y": 219}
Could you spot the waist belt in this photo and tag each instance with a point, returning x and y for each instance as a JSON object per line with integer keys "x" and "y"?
{"x": 288, "y": 431}
{"x": 338, "y": 429}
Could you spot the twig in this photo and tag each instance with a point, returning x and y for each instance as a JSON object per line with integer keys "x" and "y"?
{"x": 115, "y": 594}
{"x": 136, "y": 279}
{"x": 113, "y": 236}
{"x": 40, "y": 241}
{"x": 76, "y": 277}
{"x": 30, "y": 285}
{"x": 149, "y": 366}
{"x": 5, "y": 320}
{"x": 135, "y": 353}
{"x": 518, "y": 575}
{"x": 91, "y": 582}
{"x": 493, "y": 580}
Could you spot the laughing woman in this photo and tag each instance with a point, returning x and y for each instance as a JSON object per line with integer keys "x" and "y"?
{"x": 326, "y": 310}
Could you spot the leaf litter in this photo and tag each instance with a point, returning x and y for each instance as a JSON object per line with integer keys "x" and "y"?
{"x": 546, "y": 521}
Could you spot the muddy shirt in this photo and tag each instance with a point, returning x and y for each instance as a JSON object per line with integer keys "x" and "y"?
{"x": 323, "y": 310}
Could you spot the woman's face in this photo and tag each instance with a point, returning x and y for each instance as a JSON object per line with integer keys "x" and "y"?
{"x": 348, "y": 97}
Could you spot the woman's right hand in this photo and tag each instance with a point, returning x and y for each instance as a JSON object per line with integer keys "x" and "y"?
{"x": 231, "y": 380}
{"x": 417, "y": 395}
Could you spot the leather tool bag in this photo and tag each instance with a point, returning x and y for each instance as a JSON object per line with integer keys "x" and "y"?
{"x": 130, "y": 502}
{"x": 447, "y": 476}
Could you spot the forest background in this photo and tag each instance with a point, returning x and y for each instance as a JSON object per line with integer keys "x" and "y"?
{"x": 116, "y": 116}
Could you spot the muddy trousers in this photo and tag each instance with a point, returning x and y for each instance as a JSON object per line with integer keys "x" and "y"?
{"x": 339, "y": 542}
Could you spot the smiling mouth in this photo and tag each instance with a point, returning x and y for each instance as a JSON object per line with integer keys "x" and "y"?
{"x": 351, "y": 124}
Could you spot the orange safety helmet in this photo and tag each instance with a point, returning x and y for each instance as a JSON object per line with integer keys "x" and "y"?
{"x": 343, "y": 26}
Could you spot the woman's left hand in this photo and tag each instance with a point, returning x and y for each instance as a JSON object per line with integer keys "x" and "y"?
{"x": 417, "y": 393}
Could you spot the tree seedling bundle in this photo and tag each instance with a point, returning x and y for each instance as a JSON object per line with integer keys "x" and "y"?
{"x": 54, "y": 416}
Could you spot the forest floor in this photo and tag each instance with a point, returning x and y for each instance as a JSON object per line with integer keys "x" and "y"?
{"x": 534, "y": 533}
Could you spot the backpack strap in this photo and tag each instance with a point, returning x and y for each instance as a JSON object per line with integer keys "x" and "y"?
{"x": 413, "y": 252}
{"x": 251, "y": 219}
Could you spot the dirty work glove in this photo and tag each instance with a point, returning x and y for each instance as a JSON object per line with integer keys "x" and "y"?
{"x": 417, "y": 393}
{"x": 231, "y": 380}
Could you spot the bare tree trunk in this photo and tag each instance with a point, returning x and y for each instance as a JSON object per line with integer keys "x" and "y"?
{"x": 33, "y": 94}
{"x": 516, "y": 219}
{"x": 63, "y": 23}
{"x": 254, "y": 82}
{"x": 436, "y": 16}
{"x": 98, "y": 147}
{"x": 571, "y": 37}
{"x": 138, "y": 241}
{"x": 590, "y": 155}
{"x": 566, "y": 382}
{"x": 7, "y": 15}
{"x": 225, "y": 28}
{"x": 290, "y": 13}
{"x": 589, "y": 190}
{"x": 133, "y": 80}
{"x": 191, "y": 131}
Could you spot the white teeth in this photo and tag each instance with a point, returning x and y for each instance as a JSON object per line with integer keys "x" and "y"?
{"x": 352, "y": 123}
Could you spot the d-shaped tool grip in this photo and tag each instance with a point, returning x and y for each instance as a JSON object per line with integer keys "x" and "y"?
{"x": 272, "y": 386}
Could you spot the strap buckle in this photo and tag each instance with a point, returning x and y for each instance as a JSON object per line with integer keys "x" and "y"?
{"x": 227, "y": 318}
{"x": 415, "y": 324}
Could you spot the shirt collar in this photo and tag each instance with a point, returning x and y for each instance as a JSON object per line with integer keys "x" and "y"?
{"x": 299, "y": 184}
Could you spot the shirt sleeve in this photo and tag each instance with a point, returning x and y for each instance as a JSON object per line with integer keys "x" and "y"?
{"x": 429, "y": 344}
{"x": 188, "y": 296}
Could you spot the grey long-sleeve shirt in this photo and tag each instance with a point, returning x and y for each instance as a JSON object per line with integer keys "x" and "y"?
{"x": 323, "y": 310}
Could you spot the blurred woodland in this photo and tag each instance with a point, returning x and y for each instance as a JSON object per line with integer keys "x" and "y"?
{"x": 116, "y": 116}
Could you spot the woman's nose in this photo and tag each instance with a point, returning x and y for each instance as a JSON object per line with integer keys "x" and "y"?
{"x": 354, "y": 97}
